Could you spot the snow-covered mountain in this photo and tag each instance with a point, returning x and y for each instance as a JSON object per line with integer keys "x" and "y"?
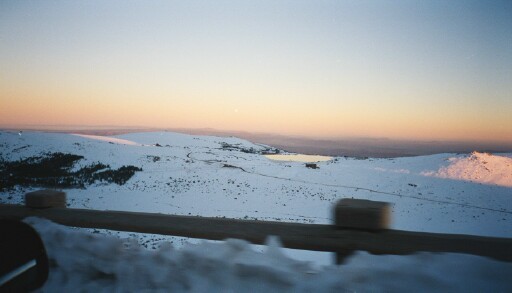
{"x": 227, "y": 176}
{"x": 479, "y": 168}
{"x": 230, "y": 177}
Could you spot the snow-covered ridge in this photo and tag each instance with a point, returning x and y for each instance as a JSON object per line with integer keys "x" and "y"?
{"x": 108, "y": 139}
{"x": 478, "y": 167}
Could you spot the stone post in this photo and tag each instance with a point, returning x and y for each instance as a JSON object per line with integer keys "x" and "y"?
{"x": 360, "y": 214}
{"x": 47, "y": 198}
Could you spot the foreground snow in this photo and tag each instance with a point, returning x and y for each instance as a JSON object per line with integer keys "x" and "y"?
{"x": 99, "y": 263}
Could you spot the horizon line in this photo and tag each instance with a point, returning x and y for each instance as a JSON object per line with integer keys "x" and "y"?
{"x": 137, "y": 128}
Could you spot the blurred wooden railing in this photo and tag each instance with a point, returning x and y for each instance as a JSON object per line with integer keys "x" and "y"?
{"x": 359, "y": 225}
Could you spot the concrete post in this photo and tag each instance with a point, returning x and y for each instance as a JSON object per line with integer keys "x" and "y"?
{"x": 360, "y": 214}
{"x": 47, "y": 198}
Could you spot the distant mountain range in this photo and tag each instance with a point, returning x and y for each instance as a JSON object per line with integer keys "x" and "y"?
{"x": 352, "y": 147}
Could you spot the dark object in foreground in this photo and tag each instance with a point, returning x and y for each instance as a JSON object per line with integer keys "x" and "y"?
{"x": 362, "y": 214}
{"x": 46, "y": 198}
{"x": 23, "y": 259}
{"x": 365, "y": 215}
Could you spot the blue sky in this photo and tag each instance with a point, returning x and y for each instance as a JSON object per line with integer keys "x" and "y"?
{"x": 404, "y": 69}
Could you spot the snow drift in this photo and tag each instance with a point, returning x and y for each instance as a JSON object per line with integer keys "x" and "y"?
{"x": 99, "y": 263}
{"x": 478, "y": 167}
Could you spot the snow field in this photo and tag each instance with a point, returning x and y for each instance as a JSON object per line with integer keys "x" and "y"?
{"x": 196, "y": 175}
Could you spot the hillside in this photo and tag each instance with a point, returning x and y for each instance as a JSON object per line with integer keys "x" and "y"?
{"x": 478, "y": 167}
{"x": 228, "y": 177}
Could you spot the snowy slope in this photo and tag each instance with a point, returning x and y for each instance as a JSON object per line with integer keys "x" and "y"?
{"x": 188, "y": 175}
{"x": 478, "y": 167}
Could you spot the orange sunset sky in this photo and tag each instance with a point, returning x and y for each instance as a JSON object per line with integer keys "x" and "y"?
{"x": 398, "y": 69}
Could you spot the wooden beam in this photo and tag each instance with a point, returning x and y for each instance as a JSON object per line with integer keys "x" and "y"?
{"x": 293, "y": 235}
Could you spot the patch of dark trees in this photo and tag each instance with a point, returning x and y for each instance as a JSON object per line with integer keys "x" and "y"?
{"x": 251, "y": 150}
{"x": 56, "y": 170}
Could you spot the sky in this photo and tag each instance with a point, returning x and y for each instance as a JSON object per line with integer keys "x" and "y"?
{"x": 323, "y": 69}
